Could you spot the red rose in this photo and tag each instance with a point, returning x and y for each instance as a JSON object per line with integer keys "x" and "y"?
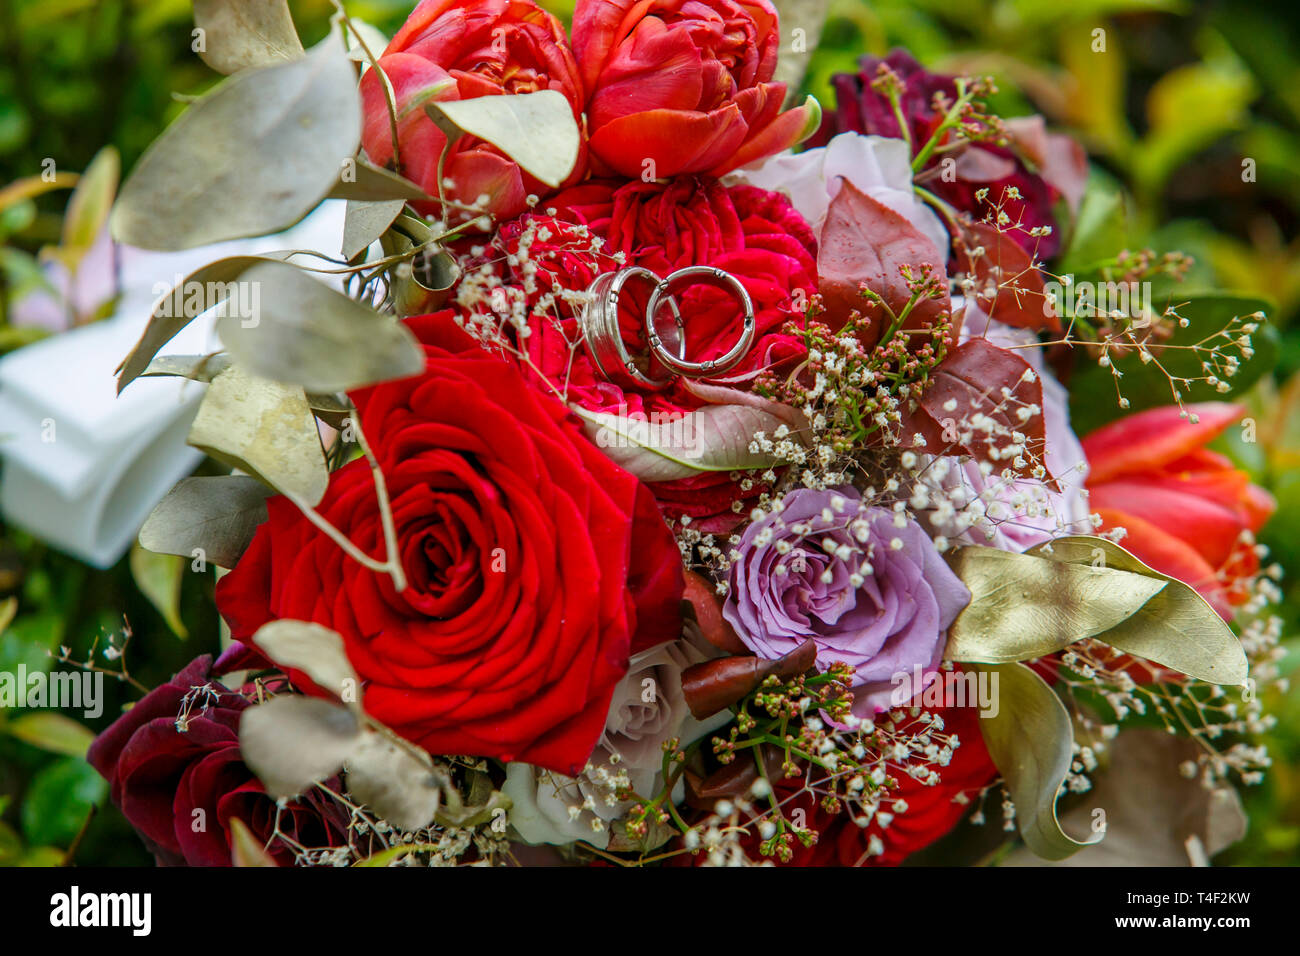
{"x": 535, "y": 564}
{"x": 461, "y": 49}
{"x": 931, "y": 811}
{"x": 181, "y": 782}
{"x": 684, "y": 86}
{"x": 1186, "y": 509}
{"x": 755, "y": 235}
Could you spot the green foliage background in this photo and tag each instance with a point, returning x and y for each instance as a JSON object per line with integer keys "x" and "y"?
{"x": 1182, "y": 94}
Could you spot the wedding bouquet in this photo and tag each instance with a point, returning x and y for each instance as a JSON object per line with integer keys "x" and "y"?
{"x": 666, "y": 471}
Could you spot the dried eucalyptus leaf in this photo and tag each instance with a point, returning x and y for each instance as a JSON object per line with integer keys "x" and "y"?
{"x": 201, "y": 290}
{"x": 316, "y": 651}
{"x": 245, "y": 849}
{"x": 1177, "y": 627}
{"x": 396, "y": 780}
{"x": 792, "y": 64}
{"x": 292, "y": 742}
{"x": 1031, "y": 741}
{"x": 1024, "y": 606}
{"x": 375, "y": 39}
{"x": 308, "y": 334}
{"x": 419, "y": 285}
{"x": 536, "y": 130}
{"x": 212, "y": 517}
{"x": 252, "y": 157}
{"x": 474, "y": 814}
{"x": 364, "y": 222}
{"x": 238, "y": 34}
{"x": 363, "y": 181}
{"x": 712, "y": 438}
{"x": 197, "y": 368}
{"x": 263, "y": 428}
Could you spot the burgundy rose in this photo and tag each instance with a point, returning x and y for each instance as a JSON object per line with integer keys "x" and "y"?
{"x": 1043, "y": 168}
{"x": 174, "y": 768}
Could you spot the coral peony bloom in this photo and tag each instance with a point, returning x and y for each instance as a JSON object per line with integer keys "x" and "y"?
{"x": 683, "y": 86}
{"x": 459, "y": 50}
{"x": 1186, "y": 509}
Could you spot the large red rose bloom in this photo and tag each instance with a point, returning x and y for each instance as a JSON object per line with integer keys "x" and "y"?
{"x": 535, "y": 564}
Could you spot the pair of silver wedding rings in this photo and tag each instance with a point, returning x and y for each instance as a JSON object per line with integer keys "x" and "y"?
{"x": 605, "y": 340}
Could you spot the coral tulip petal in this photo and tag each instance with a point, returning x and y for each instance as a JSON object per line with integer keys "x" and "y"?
{"x": 1207, "y": 525}
{"x": 1153, "y": 438}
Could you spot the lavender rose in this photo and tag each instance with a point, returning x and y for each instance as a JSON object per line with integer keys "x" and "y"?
{"x": 865, "y": 583}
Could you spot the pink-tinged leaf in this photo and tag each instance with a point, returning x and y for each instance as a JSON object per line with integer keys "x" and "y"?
{"x": 970, "y": 382}
{"x": 1152, "y": 439}
{"x": 716, "y": 437}
{"x": 1007, "y": 285}
{"x": 865, "y": 242}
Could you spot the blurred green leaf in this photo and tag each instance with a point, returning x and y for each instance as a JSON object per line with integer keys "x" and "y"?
{"x": 51, "y": 731}
{"x": 158, "y": 576}
{"x": 30, "y": 641}
{"x": 1102, "y": 228}
{"x": 60, "y": 796}
{"x": 1187, "y": 109}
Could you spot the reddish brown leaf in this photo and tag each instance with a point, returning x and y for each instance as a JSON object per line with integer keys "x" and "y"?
{"x": 1007, "y": 285}
{"x": 864, "y": 241}
{"x": 731, "y": 781}
{"x": 711, "y": 686}
{"x": 708, "y": 614}
{"x": 969, "y": 382}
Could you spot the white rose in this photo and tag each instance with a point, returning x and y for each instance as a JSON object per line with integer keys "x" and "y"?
{"x": 647, "y": 708}
{"x": 879, "y": 167}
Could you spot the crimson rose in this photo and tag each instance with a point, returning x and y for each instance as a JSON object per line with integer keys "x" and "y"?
{"x": 755, "y": 235}
{"x": 535, "y": 565}
{"x": 173, "y": 765}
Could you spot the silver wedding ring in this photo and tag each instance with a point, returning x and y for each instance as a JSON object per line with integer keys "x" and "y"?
{"x": 708, "y": 276}
{"x": 604, "y": 337}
